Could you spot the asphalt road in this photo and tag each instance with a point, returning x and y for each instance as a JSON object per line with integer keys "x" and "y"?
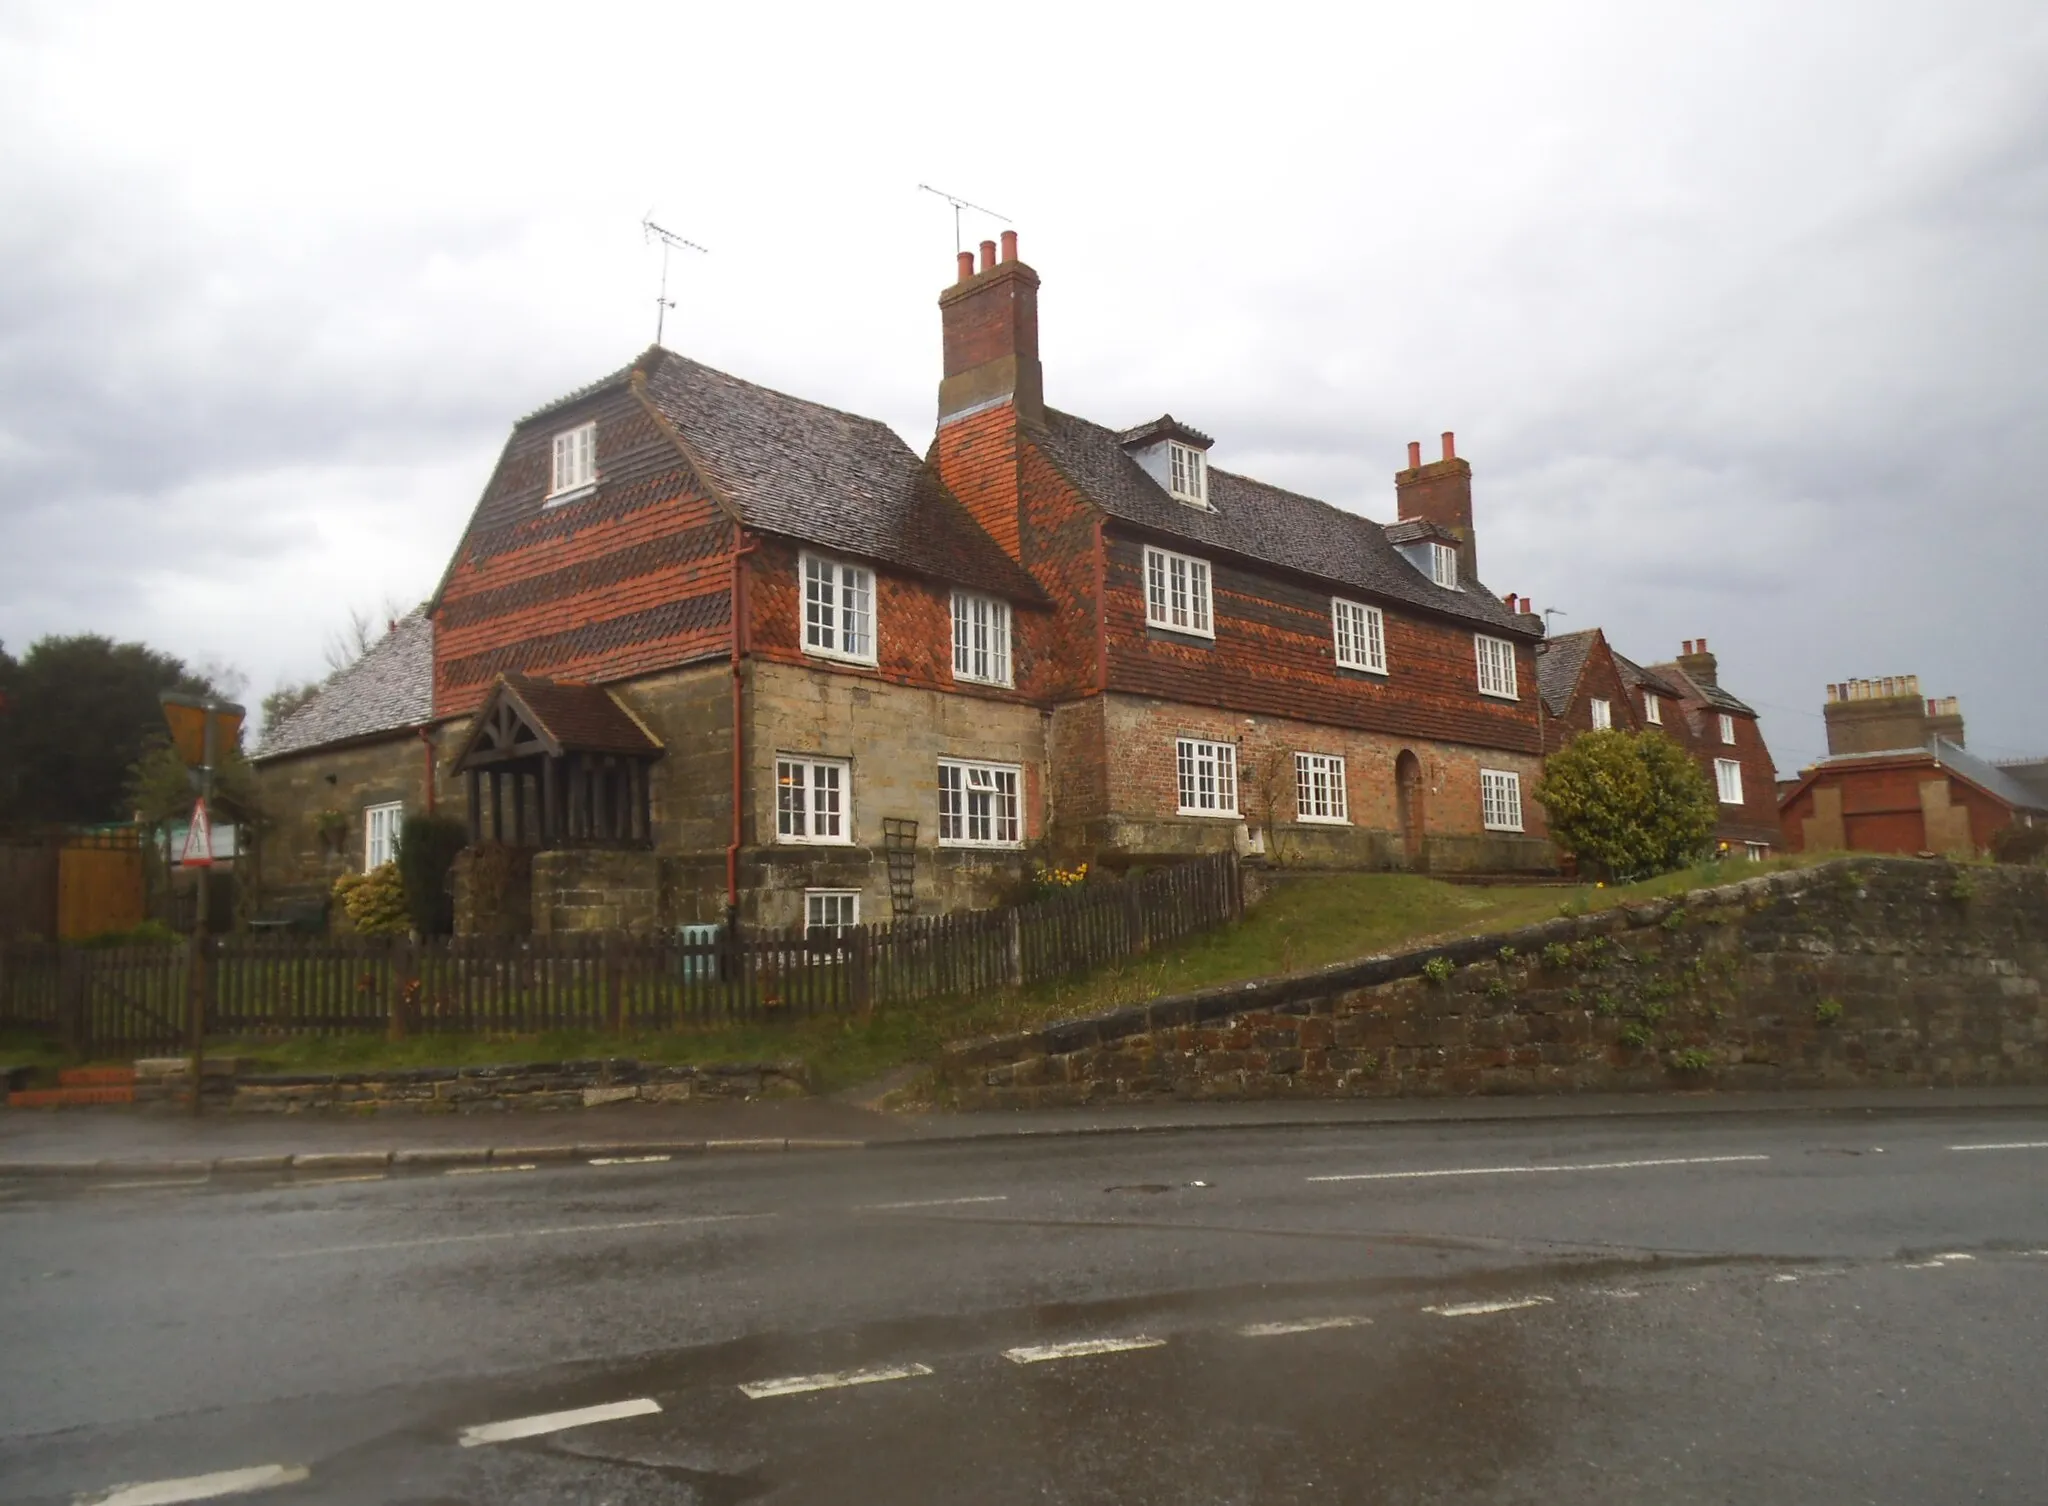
{"x": 1809, "y": 1308}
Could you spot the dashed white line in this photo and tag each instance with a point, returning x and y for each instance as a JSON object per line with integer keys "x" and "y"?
{"x": 555, "y": 1422}
{"x": 1784, "y": 1276}
{"x": 2007, "y": 1145}
{"x": 479, "y": 1171}
{"x": 1477, "y": 1309}
{"x": 1501, "y": 1171}
{"x": 936, "y": 1202}
{"x": 796, "y": 1385}
{"x": 1038, "y": 1354}
{"x": 627, "y": 1160}
{"x": 1936, "y": 1262}
{"x": 1300, "y": 1325}
{"x": 228, "y": 1482}
{"x": 1620, "y": 1293}
{"x": 463, "y": 1239}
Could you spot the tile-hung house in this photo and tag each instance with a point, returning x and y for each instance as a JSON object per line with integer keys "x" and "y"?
{"x": 1685, "y": 700}
{"x": 1584, "y": 689}
{"x": 1230, "y": 660}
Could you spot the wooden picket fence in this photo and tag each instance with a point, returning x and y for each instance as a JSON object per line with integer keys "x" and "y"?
{"x": 139, "y": 1000}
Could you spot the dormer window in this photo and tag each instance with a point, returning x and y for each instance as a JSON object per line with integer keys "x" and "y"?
{"x": 575, "y": 462}
{"x": 1443, "y": 566}
{"x": 1188, "y": 472}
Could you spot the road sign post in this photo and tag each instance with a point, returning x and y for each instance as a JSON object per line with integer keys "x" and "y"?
{"x": 200, "y": 727}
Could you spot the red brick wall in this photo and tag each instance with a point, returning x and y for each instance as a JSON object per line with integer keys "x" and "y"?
{"x": 1756, "y": 819}
{"x": 626, "y": 581}
{"x": 1600, "y": 678}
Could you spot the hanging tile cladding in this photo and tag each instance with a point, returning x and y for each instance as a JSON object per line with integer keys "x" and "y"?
{"x": 630, "y": 579}
{"x": 1061, "y": 539}
{"x": 913, "y": 628}
{"x": 1274, "y": 655}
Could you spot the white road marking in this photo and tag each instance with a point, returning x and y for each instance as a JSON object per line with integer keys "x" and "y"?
{"x": 151, "y": 1182}
{"x": 1038, "y": 1354}
{"x": 479, "y": 1171}
{"x": 936, "y": 1202}
{"x": 228, "y": 1482}
{"x": 627, "y": 1160}
{"x": 1300, "y": 1325}
{"x": 1500, "y": 1171}
{"x": 1784, "y": 1276}
{"x": 1476, "y": 1309}
{"x": 1617, "y": 1292}
{"x": 796, "y": 1385}
{"x": 555, "y": 1422}
{"x": 2007, "y": 1145}
{"x": 463, "y": 1239}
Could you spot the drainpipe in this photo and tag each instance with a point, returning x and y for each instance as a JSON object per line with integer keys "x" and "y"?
{"x": 736, "y": 600}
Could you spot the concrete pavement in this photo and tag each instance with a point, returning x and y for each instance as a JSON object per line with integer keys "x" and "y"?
{"x": 1785, "y": 1306}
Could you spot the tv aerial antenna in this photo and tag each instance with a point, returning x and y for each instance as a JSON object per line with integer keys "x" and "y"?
{"x": 670, "y": 241}
{"x": 959, "y": 204}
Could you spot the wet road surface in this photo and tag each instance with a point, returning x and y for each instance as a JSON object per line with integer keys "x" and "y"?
{"x": 1835, "y": 1307}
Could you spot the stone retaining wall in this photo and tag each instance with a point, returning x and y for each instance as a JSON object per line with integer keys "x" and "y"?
{"x": 522, "y": 1085}
{"x": 1864, "y": 971}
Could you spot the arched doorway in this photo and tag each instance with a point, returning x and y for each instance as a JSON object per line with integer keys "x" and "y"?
{"x": 1408, "y": 794}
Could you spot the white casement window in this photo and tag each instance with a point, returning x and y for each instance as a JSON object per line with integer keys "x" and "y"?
{"x": 1728, "y": 780}
{"x": 575, "y": 461}
{"x": 830, "y": 911}
{"x": 1177, "y": 593}
{"x": 1756, "y": 852}
{"x": 978, "y": 805}
{"x": 1500, "y": 800}
{"x": 1319, "y": 788}
{"x": 1208, "y": 777}
{"x": 1727, "y": 728}
{"x": 1443, "y": 565}
{"x": 981, "y": 638}
{"x": 1187, "y": 473}
{"x": 1653, "y": 710}
{"x": 1603, "y": 714}
{"x": 811, "y": 800}
{"x": 1496, "y": 666}
{"x": 1361, "y": 636}
{"x": 381, "y": 824}
{"x": 839, "y": 609}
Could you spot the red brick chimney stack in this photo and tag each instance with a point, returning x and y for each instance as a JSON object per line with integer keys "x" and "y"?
{"x": 1441, "y": 493}
{"x": 1698, "y": 663}
{"x": 991, "y": 383}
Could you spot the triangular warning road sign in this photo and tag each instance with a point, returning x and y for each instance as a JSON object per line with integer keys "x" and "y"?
{"x": 198, "y": 851}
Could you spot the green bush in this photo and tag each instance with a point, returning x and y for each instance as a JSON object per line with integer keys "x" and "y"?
{"x": 427, "y": 849}
{"x": 1627, "y": 805}
{"x": 1438, "y": 970}
{"x": 1691, "y": 1059}
{"x": 375, "y": 901}
{"x": 149, "y": 933}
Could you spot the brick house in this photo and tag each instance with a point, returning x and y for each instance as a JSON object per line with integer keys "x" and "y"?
{"x": 1587, "y": 685}
{"x": 706, "y": 645}
{"x": 1897, "y": 778}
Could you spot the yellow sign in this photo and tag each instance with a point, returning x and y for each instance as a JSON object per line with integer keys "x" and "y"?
{"x": 186, "y": 715}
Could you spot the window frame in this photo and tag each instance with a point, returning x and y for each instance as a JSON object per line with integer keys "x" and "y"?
{"x": 836, "y": 928}
{"x": 967, "y": 768}
{"x": 1756, "y": 852}
{"x": 1337, "y": 810}
{"x": 393, "y": 814}
{"x": 1601, "y": 712}
{"x": 997, "y": 628}
{"x": 1727, "y": 730}
{"x": 1653, "y": 709}
{"x": 1370, "y": 630}
{"x": 811, "y": 763}
{"x": 1187, "y": 753}
{"x": 586, "y": 479}
{"x": 1167, "y": 559}
{"x": 845, "y": 574}
{"x": 1506, "y": 656}
{"x": 1443, "y": 566}
{"x": 1494, "y": 811}
{"x": 1727, "y": 776}
{"x": 1183, "y": 460}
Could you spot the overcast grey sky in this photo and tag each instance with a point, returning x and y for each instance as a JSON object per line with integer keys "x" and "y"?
{"x": 1739, "y": 310}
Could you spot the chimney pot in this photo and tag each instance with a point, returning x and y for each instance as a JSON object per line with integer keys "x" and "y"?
{"x": 1414, "y": 454}
{"x": 1685, "y": 646}
{"x": 1450, "y": 445}
{"x": 1703, "y": 645}
{"x": 966, "y": 265}
{"x": 988, "y": 255}
{"x": 1009, "y": 245}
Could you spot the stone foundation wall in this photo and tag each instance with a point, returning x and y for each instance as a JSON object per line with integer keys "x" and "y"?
{"x": 524, "y": 1085}
{"x": 1862, "y": 972}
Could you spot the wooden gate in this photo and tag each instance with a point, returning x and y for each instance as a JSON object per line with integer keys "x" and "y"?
{"x": 99, "y": 883}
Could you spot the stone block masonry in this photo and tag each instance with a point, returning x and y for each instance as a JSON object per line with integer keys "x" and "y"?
{"x": 1862, "y": 972}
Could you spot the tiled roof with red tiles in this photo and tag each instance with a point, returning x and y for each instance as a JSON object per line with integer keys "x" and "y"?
{"x": 579, "y": 718}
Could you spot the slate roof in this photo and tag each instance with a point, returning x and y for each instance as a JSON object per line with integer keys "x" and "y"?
{"x": 1958, "y": 760}
{"x": 1260, "y": 522}
{"x": 389, "y": 689}
{"x": 1165, "y": 426}
{"x": 2032, "y": 773}
{"x": 827, "y": 477}
{"x": 1636, "y": 677}
{"x": 1559, "y": 663}
{"x": 1713, "y": 695}
{"x": 1416, "y": 530}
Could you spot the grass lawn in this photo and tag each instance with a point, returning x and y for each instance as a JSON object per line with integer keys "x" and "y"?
{"x": 1306, "y": 921}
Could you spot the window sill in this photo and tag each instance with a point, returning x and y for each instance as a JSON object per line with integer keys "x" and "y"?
{"x": 962, "y": 844}
{"x": 1204, "y": 635}
{"x": 1500, "y": 695}
{"x": 1512, "y": 831}
{"x": 873, "y": 661}
{"x": 960, "y": 679}
{"x": 573, "y": 494}
{"x": 1323, "y": 820}
{"x": 788, "y": 841}
{"x": 1361, "y": 669}
{"x": 1211, "y": 815}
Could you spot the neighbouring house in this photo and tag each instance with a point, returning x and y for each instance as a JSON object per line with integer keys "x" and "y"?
{"x": 1897, "y": 778}
{"x": 1588, "y": 686}
{"x": 341, "y": 772}
{"x": 710, "y": 649}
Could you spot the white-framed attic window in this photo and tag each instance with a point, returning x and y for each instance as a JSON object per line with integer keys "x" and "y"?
{"x": 1653, "y": 709}
{"x": 1443, "y": 566}
{"x": 575, "y": 462}
{"x": 1727, "y": 728}
{"x": 1187, "y": 471}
